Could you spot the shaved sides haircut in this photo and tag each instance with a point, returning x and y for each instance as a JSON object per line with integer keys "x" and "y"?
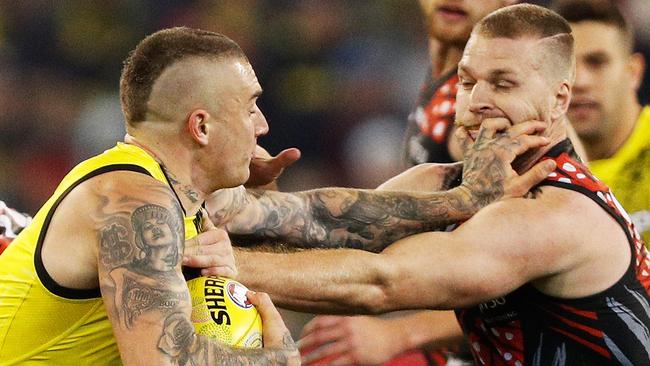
{"x": 157, "y": 52}
{"x": 536, "y": 22}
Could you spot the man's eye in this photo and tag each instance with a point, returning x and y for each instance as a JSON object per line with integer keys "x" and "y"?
{"x": 466, "y": 84}
{"x": 503, "y": 85}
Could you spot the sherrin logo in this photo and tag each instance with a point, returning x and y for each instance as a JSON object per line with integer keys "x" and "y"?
{"x": 237, "y": 294}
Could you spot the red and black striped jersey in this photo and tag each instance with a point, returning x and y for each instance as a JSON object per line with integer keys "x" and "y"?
{"x": 430, "y": 124}
{"x": 527, "y": 327}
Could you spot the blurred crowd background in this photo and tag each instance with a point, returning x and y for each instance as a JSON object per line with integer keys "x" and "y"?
{"x": 339, "y": 79}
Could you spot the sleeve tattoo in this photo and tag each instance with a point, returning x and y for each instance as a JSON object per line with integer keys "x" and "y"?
{"x": 140, "y": 256}
{"x": 340, "y": 217}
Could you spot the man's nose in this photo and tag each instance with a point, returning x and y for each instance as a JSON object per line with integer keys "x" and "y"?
{"x": 481, "y": 98}
{"x": 261, "y": 125}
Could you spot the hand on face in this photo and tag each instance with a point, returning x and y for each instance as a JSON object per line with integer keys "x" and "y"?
{"x": 488, "y": 172}
{"x": 265, "y": 169}
{"x": 210, "y": 250}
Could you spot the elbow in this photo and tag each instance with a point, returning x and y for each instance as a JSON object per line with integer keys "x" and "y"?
{"x": 382, "y": 295}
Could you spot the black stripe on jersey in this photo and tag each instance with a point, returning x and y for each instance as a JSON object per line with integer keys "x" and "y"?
{"x": 48, "y": 282}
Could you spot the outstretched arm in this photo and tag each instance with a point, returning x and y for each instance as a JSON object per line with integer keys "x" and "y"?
{"x": 370, "y": 220}
{"x": 502, "y": 247}
{"x": 139, "y": 226}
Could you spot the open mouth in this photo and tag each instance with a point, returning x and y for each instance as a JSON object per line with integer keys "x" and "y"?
{"x": 473, "y": 134}
{"x": 451, "y": 12}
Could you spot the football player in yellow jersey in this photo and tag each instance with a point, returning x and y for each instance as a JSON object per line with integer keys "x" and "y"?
{"x": 96, "y": 278}
{"x": 605, "y": 109}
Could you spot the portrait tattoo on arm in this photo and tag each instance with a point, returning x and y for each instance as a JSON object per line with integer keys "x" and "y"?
{"x": 140, "y": 252}
{"x": 141, "y": 256}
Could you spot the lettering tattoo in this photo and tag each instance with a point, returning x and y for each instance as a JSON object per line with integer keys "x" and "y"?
{"x": 185, "y": 189}
{"x": 138, "y": 299}
{"x": 288, "y": 343}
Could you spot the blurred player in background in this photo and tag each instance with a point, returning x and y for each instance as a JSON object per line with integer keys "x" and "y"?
{"x": 605, "y": 109}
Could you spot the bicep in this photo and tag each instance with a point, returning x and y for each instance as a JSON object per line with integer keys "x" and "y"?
{"x": 488, "y": 256}
{"x": 140, "y": 244}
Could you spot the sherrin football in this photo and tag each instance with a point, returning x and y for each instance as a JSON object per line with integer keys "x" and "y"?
{"x": 221, "y": 311}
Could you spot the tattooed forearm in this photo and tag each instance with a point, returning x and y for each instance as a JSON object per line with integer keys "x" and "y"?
{"x": 338, "y": 217}
{"x": 225, "y": 204}
{"x": 183, "y": 347}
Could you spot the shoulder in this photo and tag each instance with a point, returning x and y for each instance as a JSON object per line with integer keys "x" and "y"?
{"x": 555, "y": 218}
{"x": 567, "y": 210}
{"x": 113, "y": 192}
{"x": 557, "y": 223}
{"x": 125, "y": 182}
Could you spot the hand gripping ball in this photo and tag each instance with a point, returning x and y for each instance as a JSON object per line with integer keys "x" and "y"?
{"x": 221, "y": 311}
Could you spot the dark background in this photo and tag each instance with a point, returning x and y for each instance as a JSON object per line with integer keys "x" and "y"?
{"x": 339, "y": 77}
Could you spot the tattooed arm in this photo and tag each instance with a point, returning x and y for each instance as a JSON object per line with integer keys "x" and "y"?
{"x": 339, "y": 217}
{"x": 139, "y": 225}
{"x": 371, "y": 220}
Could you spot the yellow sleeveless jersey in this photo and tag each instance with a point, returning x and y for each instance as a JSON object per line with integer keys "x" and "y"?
{"x": 627, "y": 173}
{"x": 47, "y": 324}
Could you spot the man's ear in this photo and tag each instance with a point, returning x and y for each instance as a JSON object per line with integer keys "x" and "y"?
{"x": 636, "y": 66}
{"x": 562, "y": 100}
{"x": 197, "y": 126}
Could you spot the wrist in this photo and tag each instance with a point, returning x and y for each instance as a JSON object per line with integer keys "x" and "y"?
{"x": 403, "y": 337}
{"x": 463, "y": 201}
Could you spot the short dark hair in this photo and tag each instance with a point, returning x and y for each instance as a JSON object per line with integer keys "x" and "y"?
{"x": 532, "y": 21}
{"x": 157, "y": 52}
{"x": 601, "y": 11}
